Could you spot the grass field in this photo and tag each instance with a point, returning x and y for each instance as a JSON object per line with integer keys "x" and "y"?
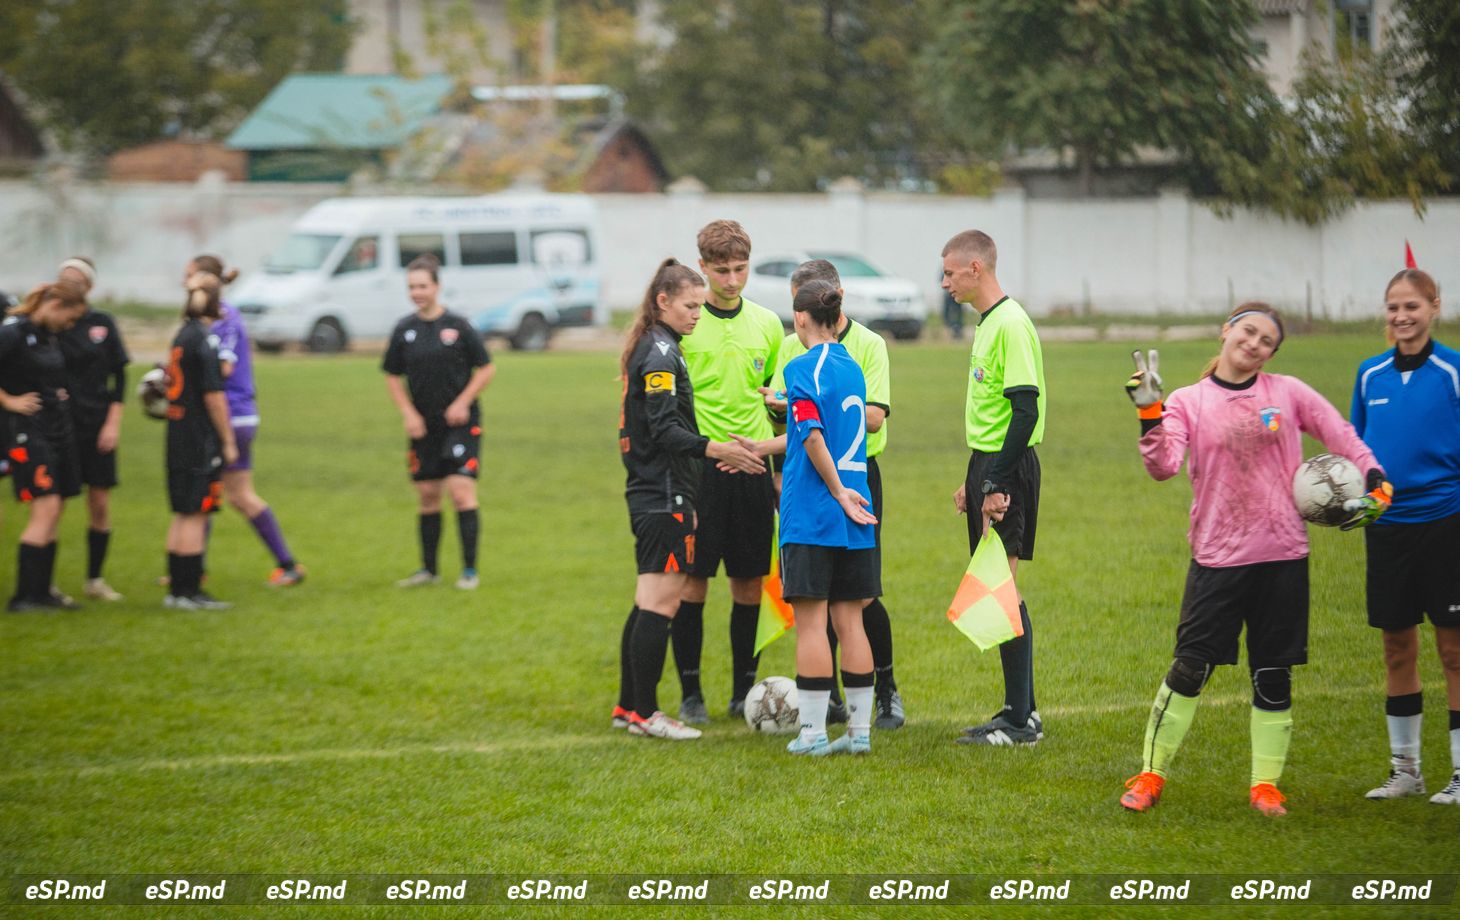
{"x": 348, "y": 726}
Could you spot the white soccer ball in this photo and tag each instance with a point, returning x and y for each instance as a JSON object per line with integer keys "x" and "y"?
{"x": 152, "y": 390}
{"x": 1321, "y": 486}
{"x": 771, "y": 706}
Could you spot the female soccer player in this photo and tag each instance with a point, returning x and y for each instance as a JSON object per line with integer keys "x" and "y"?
{"x": 829, "y": 557}
{"x": 1406, "y": 406}
{"x": 445, "y": 365}
{"x": 96, "y": 379}
{"x": 235, "y": 356}
{"x": 661, "y": 447}
{"x": 1240, "y": 431}
{"x": 199, "y": 443}
{"x": 42, "y": 449}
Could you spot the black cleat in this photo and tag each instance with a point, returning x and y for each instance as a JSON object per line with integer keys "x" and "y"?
{"x": 836, "y": 712}
{"x": 889, "y": 709}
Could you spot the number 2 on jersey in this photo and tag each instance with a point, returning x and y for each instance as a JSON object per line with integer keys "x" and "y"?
{"x": 846, "y": 462}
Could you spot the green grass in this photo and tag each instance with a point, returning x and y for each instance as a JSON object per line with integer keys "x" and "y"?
{"x": 347, "y": 726}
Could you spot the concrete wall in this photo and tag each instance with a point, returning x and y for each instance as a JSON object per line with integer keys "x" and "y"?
{"x": 1135, "y": 256}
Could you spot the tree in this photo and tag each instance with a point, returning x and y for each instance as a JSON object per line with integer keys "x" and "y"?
{"x": 107, "y": 74}
{"x": 1426, "y": 60}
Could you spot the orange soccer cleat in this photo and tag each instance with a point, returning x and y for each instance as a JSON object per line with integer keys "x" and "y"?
{"x": 1144, "y": 791}
{"x": 1267, "y": 799}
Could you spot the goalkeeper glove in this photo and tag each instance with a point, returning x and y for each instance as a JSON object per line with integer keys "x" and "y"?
{"x": 1144, "y": 386}
{"x": 1366, "y": 510}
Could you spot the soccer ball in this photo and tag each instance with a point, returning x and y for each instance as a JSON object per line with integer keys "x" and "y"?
{"x": 771, "y": 706}
{"x": 1321, "y": 486}
{"x": 152, "y": 390}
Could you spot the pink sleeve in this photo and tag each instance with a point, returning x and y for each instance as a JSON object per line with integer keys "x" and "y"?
{"x": 1164, "y": 447}
{"x": 1317, "y": 417}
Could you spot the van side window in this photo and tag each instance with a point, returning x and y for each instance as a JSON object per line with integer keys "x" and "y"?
{"x": 363, "y": 256}
{"x": 499, "y": 248}
{"x": 561, "y": 247}
{"x": 418, "y": 244}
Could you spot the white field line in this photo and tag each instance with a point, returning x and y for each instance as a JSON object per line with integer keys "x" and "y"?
{"x": 535, "y": 743}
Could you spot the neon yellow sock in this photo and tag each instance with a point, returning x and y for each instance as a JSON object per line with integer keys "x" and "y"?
{"x": 1271, "y": 732}
{"x": 1171, "y": 716}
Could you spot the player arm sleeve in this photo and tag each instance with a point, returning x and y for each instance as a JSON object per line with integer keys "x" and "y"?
{"x": 777, "y": 385}
{"x": 661, "y": 409}
{"x": 476, "y": 346}
{"x": 1024, "y": 402}
{"x": 1318, "y": 418}
{"x": 208, "y": 360}
{"x": 1358, "y": 411}
{"x": 117, "y": 385}
{"x": 394, "y": 362}
{"x": 228, "y": 343}
{"x": 1163, "y": 446}
{"x": 804, "y": 414}
{"x": 878, "y": 377}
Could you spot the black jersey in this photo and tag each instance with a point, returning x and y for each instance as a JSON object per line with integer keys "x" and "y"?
{"x": 658, "y": 437}
{"x": 193, "y": 370}
{"x": 95, "y": 366}
{"x": 31, "y": 362}
{"x": 437, "y": 357}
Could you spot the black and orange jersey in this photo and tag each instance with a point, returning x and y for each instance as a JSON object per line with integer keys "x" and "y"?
{"x": 96, "y": 362}
{"x": 193, "y": 370}
{"x": 437, "y": 357}
{"x": 659, "y": 440}
{"x": 31, "y": 362}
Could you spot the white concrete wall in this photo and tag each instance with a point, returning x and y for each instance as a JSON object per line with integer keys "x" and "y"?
{"x": 1131, "y": 256}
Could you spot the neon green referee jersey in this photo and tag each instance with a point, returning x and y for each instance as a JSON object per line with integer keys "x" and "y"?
{"x": 729, "y": 355}
{"x": 1006, "y": 356}
{"x": 869, "y": 350}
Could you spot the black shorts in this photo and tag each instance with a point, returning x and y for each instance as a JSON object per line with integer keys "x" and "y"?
{"x": 195, "y": 491}
{"x": 41, "y": 466}
{"x": 1414, "y": 569}
{"x": 444, "y": 451}
{"x": 664, "y": 542}
{"x": 98, "y": 470}
{"x": 737, "y": 520}
{"x": 831, "y": 573}
{"x": 1020, "y": 522}
{"x": 1269, "y": 598}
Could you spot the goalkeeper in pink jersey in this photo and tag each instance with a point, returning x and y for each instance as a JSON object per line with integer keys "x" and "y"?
{"x": 1240, "y": 431}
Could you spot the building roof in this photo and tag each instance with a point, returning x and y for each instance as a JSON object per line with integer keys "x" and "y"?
{"x": 1282, "y": 7}
{"x": 342, "y": 111}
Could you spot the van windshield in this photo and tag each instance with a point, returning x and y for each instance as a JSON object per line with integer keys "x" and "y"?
{"x": 301, "y": 252}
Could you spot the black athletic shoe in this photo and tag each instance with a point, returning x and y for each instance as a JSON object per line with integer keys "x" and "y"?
{"x": 692, "y": 710}
{"x": 27, "y": 605}
{"x": 836, "y": 713}
{"x": 737, "y": 709}
{"x": 889, "y": 709}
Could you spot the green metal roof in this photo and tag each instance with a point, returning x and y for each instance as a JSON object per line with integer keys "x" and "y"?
{"x": 354, "y": 112}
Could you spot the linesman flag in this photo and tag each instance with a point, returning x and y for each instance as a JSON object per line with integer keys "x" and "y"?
{"x": 986, "y": 607}
{"x": 1409, "y": 256}
{"x": 776, "y": 616}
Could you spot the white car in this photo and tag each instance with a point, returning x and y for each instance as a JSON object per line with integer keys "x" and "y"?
{"x": 877, "y": 300}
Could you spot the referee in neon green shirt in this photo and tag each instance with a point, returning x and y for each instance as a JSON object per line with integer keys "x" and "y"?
{"x": 869, "y": 350}
{"x": 730, "y": 356}
{"x": 1004, "y": 420}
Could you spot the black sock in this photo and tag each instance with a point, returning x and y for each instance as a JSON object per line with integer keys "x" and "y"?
{"x": 1454, "y": 719}
{"x": 466, "y": 526}
{"x": 688, "y": 637}
{"x": 836, "y": 693}
{"x": 190, "y": 570}
{"x": 430, "y": 527}
{"x": 1017, "y": 656}
{"x": 650, "y": 643}
{"x": 625, "y": 663}
{"x": 96, "y": 544}
{"x": 1408, "y": 704}
{"x": 44, "y": 582}
{"x": 30, "y": 565}
{"x": 744, "y": 660}
{"x": 878, "y": 626}
{"x": 174, "y": 575}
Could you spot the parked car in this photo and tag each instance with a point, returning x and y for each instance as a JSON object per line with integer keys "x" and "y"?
{"x": 518, "y": 266}
{"x": 877, "y": 300}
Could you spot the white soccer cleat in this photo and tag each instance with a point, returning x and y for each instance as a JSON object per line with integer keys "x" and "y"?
{"x": 1450, "y": 795}
{"x": 417, "y": 579}
{"x": 1399, "y": 785}
{"x": 468, "y": 581}
{"x": 98, "y": 588}
{"x": 661, "y": 726}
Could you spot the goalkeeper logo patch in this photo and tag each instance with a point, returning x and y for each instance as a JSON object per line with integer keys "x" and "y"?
{"x": 659, "y": 382}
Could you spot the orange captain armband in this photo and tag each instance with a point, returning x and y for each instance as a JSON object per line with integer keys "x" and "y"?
{"x": 1152, "y": 412}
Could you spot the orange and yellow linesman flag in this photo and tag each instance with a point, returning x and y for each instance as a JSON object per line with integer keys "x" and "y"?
{"x": 986, "y": 607}
{"x": 776, "y": 616}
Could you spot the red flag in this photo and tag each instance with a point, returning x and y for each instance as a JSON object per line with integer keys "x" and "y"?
{"x": 1409, "y": 256}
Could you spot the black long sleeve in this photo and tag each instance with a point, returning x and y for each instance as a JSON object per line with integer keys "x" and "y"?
{"x": 1025, "y": 405}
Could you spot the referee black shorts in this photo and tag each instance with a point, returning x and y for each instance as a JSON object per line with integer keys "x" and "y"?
{"x": 1020, "y": 522}
{"x": 664, "y": 542}
{"x": 1414, "y": 569}
{"x": 1269, "y": 598}
{"x": 737, "y": 520}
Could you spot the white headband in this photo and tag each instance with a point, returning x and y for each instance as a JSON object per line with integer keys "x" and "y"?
{"x": 1233, "y": 319}
{"x": 81, "y": 267}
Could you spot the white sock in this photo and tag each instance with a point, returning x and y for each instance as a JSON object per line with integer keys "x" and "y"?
{"x": 859, "y": 711}
{"x": 813, "y": 705}
{"x": 1455, "y": 748}
{"x": 1404, "y": 742}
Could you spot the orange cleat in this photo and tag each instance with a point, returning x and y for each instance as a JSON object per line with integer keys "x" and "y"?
{"x": 1144, "y": 791}
{"x": 286, "y": 578}
{"x": 1267, "y": 799}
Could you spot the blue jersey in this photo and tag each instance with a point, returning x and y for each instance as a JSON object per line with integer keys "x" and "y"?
{"x": 1407, "y": 409}
{"x": 826, "y": 392}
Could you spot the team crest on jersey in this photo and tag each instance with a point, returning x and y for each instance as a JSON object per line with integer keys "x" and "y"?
{"x": 98, "y": 334}
{"x": 759, "y": 364}
{"x": 448, "y": 336}
{"x": 979, "y": 374}
{"x": 1272, "y": 417}
{"x": 410, "y": 335}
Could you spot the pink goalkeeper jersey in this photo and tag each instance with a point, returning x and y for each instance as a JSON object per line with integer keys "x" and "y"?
{"x": 1244, "y": 447}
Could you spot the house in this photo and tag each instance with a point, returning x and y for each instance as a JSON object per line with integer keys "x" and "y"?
{"x": 1289, "y": 27}
{"x": 176, "y": 160}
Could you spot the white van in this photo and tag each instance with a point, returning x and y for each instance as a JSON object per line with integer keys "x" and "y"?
{"x": 518, "y": 266}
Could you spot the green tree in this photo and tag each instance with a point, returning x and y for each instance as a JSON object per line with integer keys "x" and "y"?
{"x": 108, "y": 74}
{"x": 1426, "y": 62}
